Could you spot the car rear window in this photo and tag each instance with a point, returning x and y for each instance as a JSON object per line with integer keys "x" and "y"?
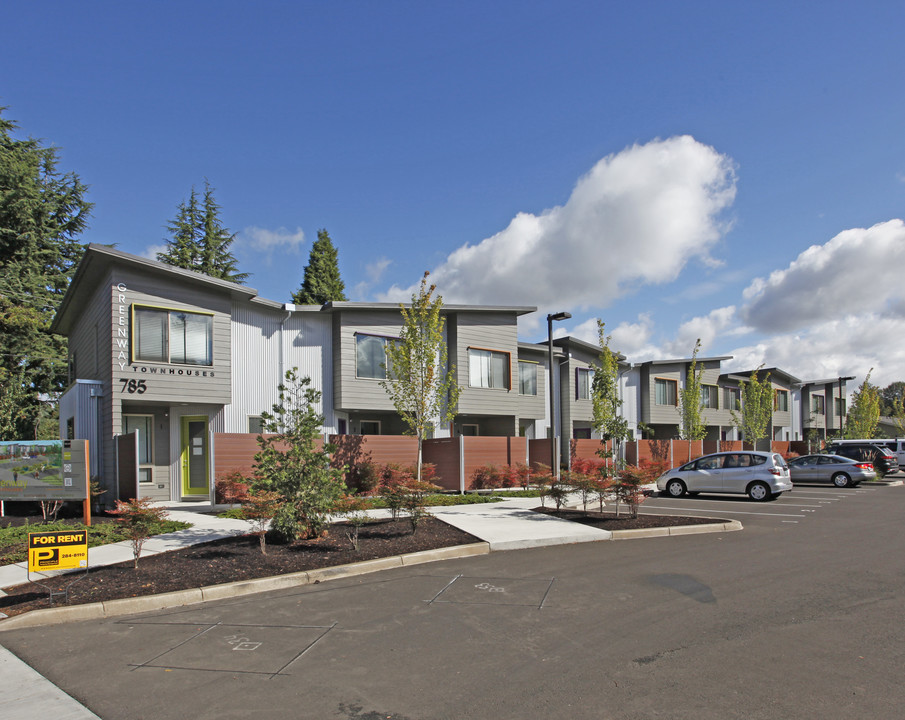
{"x": 758, "y": 459}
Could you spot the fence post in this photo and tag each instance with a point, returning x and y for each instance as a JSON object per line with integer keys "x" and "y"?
{"x": 461, "y": 464}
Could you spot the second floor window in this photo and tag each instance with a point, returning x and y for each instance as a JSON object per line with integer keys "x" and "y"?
{"x": 488, "y": 369}
{"x": 527, "y": 378}
{"x": 710, "y": 397}
{"x": 839, "y": 405}
{"x": 666, "y": 391}
{"x": 781, "y": 402}
{"x": 172, "y": 336}
{"x": 371, "y": 359}
{"x": 584, "y": 378}
{"x": 732, "y": 399}
{"x": 817, "y": 406}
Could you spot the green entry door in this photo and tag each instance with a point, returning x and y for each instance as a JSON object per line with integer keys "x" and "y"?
{"x": 195, "y": 456}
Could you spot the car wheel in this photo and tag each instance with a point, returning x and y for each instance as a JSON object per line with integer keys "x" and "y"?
{"x": 675, "y": 488}
{"x": 759, "y": 491}
{"x": 841, "y": 480}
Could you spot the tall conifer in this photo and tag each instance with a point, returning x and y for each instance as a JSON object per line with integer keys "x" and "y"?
{"x": 322, "y": 282}
{"x": 42, "y": 212}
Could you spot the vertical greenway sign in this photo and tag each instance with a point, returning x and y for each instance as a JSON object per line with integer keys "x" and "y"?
{"x": 44, "y": 470}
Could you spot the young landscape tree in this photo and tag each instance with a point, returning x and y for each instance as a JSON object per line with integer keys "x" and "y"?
{"x": 42, "y": 212}
{"x": 607, "y": 418}
{"x": 198, "y": 240}
{"x": 864, "y": 413}
{"x": 693, "y": 425}
{"x": 419, "y": 380}
{"x": 757, "y": 407}
{"x": 290, "y": 463}
{"x": 321, "y": 282}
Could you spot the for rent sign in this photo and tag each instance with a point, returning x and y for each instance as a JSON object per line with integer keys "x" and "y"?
{"x": 60, "y": 550}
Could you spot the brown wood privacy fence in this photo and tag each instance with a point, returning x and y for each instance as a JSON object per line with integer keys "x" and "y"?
{"x": 457, "y": 458}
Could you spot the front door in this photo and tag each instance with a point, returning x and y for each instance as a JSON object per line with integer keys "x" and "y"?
{"x": 195, "y": 456}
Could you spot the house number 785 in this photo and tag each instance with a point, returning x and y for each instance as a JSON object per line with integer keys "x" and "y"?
{"x": 133, "y": 386}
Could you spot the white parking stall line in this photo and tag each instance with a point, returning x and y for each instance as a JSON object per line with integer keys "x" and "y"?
{"x": 728, "y": 512}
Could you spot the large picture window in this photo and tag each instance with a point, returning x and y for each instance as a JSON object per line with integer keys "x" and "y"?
{"x": 488, "y": 369}
{"x": 666, "y": 391}
{"x": 371, "y": 358}
{"x": 172, "y": 336}
{"x": 527, "y": 378}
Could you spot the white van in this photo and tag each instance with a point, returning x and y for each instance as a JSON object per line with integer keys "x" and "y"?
{"x": 895, "y": 445}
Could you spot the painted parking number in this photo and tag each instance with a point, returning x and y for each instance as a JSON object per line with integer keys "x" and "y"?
{"x": 241, "y": 643}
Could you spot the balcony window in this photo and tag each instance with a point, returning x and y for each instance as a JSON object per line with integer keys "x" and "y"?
{"x": 817, "y": 405}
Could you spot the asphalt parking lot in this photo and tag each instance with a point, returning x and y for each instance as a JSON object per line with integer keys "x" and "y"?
{"x": 798, "y": 615}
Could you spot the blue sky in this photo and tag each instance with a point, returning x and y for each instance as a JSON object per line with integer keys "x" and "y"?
{"x": 724, "y": 170}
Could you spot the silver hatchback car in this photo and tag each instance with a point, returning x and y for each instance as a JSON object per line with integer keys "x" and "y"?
{"x": 759, "y": 475}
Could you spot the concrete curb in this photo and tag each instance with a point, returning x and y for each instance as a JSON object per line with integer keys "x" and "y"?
{"x": 180, "y": 598}
{"x": 717, "y": 526}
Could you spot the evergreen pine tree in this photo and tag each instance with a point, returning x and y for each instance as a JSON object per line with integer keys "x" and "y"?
{"x": 41, "y": 214}
{"x": 199, "y": 241}
{"x": 322, "y": 282}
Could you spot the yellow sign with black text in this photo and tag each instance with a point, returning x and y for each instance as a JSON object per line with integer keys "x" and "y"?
{"x": 59, "y": 550}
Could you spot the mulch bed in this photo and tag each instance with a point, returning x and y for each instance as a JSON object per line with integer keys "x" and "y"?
{"x": 235, "y": 558}
{"x": 609, "y": 521}
{"x": 240, "y": 558}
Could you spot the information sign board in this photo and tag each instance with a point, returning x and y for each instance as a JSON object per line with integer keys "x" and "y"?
{"x": 44, "y": 470}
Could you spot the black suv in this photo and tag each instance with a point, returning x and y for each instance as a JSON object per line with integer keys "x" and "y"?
{"x": 885, "y": 461}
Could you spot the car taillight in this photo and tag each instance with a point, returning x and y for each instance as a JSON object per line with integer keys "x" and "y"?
{"x": 775, "y": 471}
{"x": 864, "y": 466}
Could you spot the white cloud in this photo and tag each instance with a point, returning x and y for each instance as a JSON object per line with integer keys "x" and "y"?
{"x": 639, "y": 216}
{"x": 151, "y": 251}
{"x": 268, "y": 240}
{"x": 374, "y": 272}
{"x": 858, "y": 271}
{"x": 846, "y": 346}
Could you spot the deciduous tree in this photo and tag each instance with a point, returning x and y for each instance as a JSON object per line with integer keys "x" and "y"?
{"x": 321, "y": 282}
{"x": 420, "y": 384}
{"x": 693, "y": 425}
{"x": 605, "y": 401}
{"x": 42, "y": 213}
{"x": 757, "y": 407}
{"x": 864, "y": 413}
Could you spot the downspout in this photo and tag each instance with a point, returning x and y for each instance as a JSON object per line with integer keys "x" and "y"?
{"x": 289, "y": 308}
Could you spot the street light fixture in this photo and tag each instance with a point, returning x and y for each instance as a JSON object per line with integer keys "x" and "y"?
{"x": 550, "y": 318}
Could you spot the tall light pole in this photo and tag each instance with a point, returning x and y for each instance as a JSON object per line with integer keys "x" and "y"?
{"x": 550, "y": 318}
